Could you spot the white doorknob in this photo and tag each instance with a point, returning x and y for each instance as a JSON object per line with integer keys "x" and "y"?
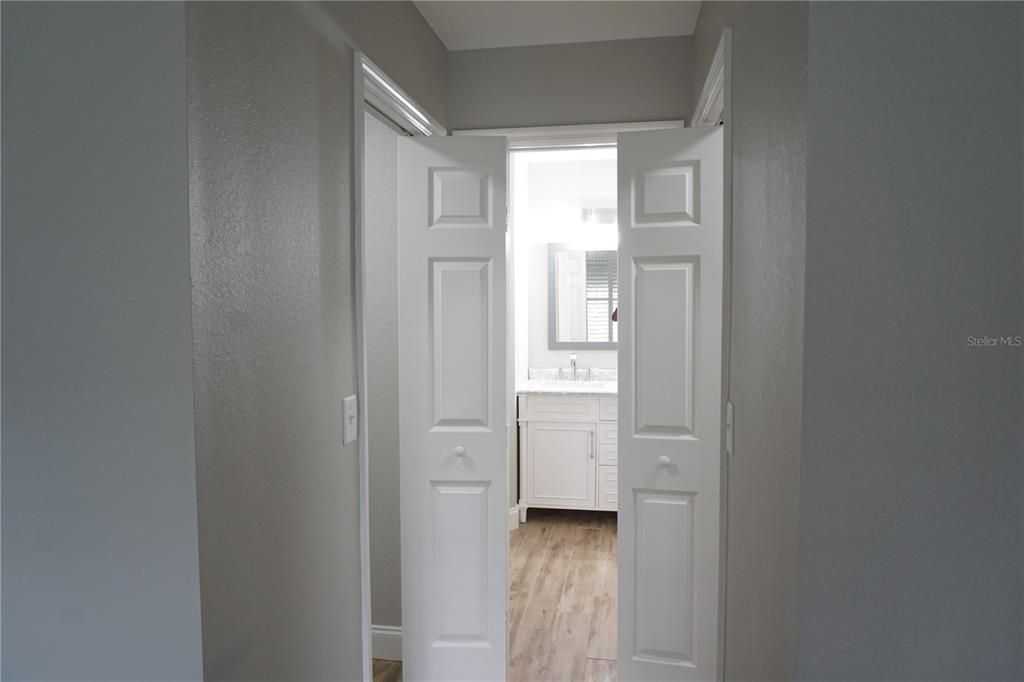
{"x": 664, "y": 461}
{"x": 460, "y": 451}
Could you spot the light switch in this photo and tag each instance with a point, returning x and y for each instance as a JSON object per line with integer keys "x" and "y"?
{"x": 350, "y": 430}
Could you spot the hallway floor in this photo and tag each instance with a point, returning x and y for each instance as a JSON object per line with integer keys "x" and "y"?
{"x": 562, "y": 600}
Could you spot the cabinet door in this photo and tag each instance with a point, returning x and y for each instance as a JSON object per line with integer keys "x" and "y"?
{"x": 561, "y": 468}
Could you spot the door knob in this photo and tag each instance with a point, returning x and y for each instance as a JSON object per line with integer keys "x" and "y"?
{"x": 664, "y": 461}
{"x": 460, "y": 451}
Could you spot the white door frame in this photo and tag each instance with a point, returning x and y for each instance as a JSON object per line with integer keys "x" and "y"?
{"x": 371, "y": 86}
{"x": 714, "y": 107}
{"x": 568, "y": 136}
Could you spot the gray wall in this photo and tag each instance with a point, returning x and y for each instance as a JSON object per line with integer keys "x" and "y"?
{"x": 271, "y": 152}
{"x": 400, "y": 41}
{"x": 910, "y": 507}
{"x": 769, "y": 138}
{"x": 100, "y": 568}
{"x": 602, "y": 82}
{"x": 381, "y": 319}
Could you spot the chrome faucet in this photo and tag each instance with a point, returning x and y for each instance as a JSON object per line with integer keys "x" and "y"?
{"x": 573, "y": 371}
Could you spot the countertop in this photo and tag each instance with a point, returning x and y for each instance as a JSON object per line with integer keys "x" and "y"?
{"x": 569, "y": 387}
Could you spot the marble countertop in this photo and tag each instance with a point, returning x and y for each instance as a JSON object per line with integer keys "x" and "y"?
{"x": 569, "y": 387}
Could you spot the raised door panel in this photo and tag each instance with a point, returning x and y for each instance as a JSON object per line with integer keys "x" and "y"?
{"x": 663, "y": 332}
{"x": 459, "y": 295}
{"x": 561, "y": 465}
{"x": 664, "y": 580}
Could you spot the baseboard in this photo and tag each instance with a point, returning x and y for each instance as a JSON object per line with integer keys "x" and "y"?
{"x": 513, "y": 517}
{"x": 387, "y": 642}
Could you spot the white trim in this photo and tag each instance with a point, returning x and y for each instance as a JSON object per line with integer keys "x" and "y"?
{"x": 372, "y": 87}
{"x": 711, "y": 103}
{"x": 384, "y": 95}
{"x": 359, "y": 286}
{"x": 513, "y": 517}
{"x": 722, "y": 63}
{"x": 560, "y": 137}
{"x": 387, "y": 642}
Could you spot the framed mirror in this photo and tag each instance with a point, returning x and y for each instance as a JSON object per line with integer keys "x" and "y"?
{"x": 583, "y": 292}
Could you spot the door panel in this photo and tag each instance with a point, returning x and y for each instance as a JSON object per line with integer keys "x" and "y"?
{"x": 451, "y": 227}
{"x": 669, "y": 459}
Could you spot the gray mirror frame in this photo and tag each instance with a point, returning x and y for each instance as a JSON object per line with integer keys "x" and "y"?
{"x": 553, "y": 342}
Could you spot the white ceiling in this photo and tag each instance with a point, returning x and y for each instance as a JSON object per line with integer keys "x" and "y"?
{"x": 493, "y": 23}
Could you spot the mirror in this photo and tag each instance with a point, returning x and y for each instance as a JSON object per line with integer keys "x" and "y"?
{"x": 583, "y": 292}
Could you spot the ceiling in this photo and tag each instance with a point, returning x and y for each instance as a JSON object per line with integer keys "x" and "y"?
{"x": 493, "y": 23}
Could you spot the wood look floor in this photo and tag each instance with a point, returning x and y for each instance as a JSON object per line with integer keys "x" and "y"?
{"x": 562, "y": 600}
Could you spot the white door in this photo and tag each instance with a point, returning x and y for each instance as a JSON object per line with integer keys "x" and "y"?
{"x": 451, "y": 231}
{"x": 670, "y": 342}
{"x": 562, "y": 465}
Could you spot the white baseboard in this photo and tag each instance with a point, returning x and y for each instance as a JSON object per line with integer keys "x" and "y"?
{"x": 513, "y": 517}
{"x": 387, "y": 642}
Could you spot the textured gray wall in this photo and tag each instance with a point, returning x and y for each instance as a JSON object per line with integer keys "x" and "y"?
{"x": 381, "y": 319}
{"x": 400, "y": 41}
{"x": 769, "y": 137}
{"x": 910, "y": 508}
{"x": 100, "y": 567}
{"x": 270, "y": 155}
{"x": 603, "y": 82}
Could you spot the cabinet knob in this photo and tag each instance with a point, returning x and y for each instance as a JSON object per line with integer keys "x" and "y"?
{"x": 664, "y": 461}
{"x": 460, "y": 451}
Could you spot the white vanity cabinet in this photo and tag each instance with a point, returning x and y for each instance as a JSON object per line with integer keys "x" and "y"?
{"x": 568, "y": 457}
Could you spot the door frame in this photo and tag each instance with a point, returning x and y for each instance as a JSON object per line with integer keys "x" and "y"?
{"x": 371, "y": 88}
{"x": 714, "y": 107}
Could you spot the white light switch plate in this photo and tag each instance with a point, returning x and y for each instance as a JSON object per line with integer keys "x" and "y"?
{"x": 350, "y": 431}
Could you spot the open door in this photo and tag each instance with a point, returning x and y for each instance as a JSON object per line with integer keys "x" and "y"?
{"x": 670, "y": 393}
{"x": 452, "y": 404}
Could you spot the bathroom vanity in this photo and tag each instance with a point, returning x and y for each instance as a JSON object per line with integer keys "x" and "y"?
{"x": 568, "y": 445}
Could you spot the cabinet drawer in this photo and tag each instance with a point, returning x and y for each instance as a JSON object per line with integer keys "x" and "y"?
{"x": 607, "y": 454}
{"x": 608, "y": 488}
{"x": 608, "y": 433}
{"x": 609, "y": 408}
{"x": 560, "y": 408}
